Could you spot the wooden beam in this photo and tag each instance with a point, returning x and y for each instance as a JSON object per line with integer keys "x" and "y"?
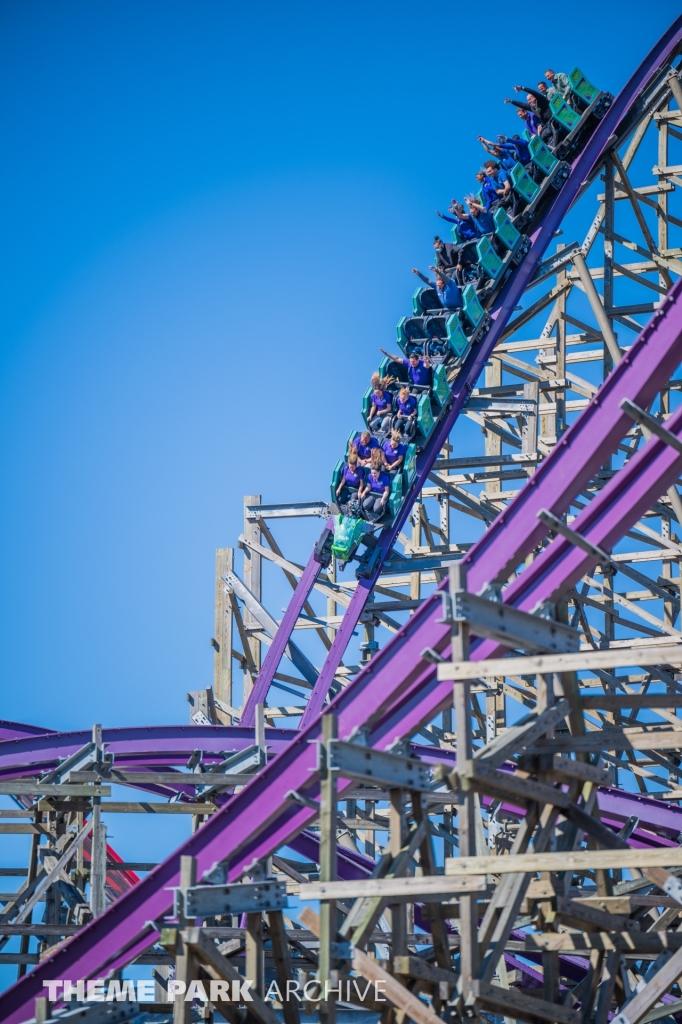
{"x": 29, "y": 787}
{"x": 577, "y": 861}
{"x": 576, "y": 662}
{"x": 398, "y": 890}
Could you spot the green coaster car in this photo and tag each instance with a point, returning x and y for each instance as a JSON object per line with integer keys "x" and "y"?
{"x": 348, "y": 532}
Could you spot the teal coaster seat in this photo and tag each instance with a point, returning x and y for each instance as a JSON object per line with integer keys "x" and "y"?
{"x": 440, "y": 388}
{"x": 562, "y": 113}
{"x": 336, "y": 477}
{"x": 542, "y": 157}
{"x": 366, "y": 405}
{"x": 581, "y": 87}
{"x": 473, "y": 310}
{"x": 523, "y": 184}
{"x": 457, "y": 339}
{"x": 456, "y": 237}
{"x": 409, "y": 466}
{"x": 504, "y": 229}
{"x": 395, "y": 498}
{"x": 489, "y": 262}
{"x": 425, "y": 420}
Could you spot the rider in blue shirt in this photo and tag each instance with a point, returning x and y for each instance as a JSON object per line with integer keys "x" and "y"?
{"x": 446, "y": 287}
{"x": 466, "y": 231}
{"x": 516, "y": 147}
{"x": 488, "y": 189}
{"x": 505, "y": 158}
{"x": 480, "y": 218}
{"x": 501, "y": 183}
{"x": 466, "y": 249}
{"x": 418, "y": 370}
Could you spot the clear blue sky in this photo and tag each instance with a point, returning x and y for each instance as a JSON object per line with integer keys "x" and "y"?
{"x": 209, "y": 212}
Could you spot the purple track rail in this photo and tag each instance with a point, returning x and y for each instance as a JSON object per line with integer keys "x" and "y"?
{"x": 41, "y": 750}
{"x": 662, "y": 819}
{"x": 396, "y": 692}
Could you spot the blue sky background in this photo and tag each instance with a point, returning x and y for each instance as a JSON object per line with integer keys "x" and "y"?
{"x": 209, "y": 212}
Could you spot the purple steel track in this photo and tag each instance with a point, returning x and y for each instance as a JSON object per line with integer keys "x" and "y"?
{"x": 662, "y": 819}
{"x": 154, "y": 744}
{"x": 396, "y": 692}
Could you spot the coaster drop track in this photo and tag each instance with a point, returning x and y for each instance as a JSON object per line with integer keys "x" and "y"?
{"x": 398, "y": 693}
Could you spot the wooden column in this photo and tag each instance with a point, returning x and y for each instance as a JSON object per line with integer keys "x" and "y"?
{"x": 609, "y": 218}
{"x": 331, "y": 603}
{"x": 30, "y": 875}
{"x": 185, "y": 964}
{"x": 255, "y": 952}
{"x": 397, "y": 839}
{"x": 98, "y": 844}
{"x": 466, "y": 815}
{"x": 253, "y": 580}
{"x": 662, "y": 240}
{"x": 42, "y": 1010}
{"x": 370, "y": 844}
{"x": 328, "y": 871}
{"x": 529, "y": 433}
{"x": 222, "y": 637}
{"x": 493, "y": 442}
{"x": 662, "y": 197}
{"x": 280, "y": 953}
{"x": 415, "y": 577}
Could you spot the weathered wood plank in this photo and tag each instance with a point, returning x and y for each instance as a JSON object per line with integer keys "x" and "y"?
{"x": 612, "y": 658}
{"x": 579, "y": 860}
{"x": 398, "y": 889}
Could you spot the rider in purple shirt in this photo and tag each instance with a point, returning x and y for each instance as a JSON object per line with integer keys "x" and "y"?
{"x": 375, "y": 494}
{"x": 529, "y": 115}
{"x": 406, "y": 416}
{"x": 406, "y": 412}
{"x": 394, "y": 452}
{"x": 418, "y": 370}
{"x": 380, "y": 411}
{"x": 352, "y": 479}
{"x": 363, "y": 445}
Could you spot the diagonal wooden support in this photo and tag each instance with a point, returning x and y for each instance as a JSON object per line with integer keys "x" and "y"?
{"x": 633, "y": 1010}
{"x": 365, "y": 912}
{"x": 597, "y": 307}
{"x": 384, "y": 982}
{"x": 280, "y": 952}
{"x": 219, "y": 968}
{"x": 526, "y": 1008}
{"x": 438, "y": 929}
